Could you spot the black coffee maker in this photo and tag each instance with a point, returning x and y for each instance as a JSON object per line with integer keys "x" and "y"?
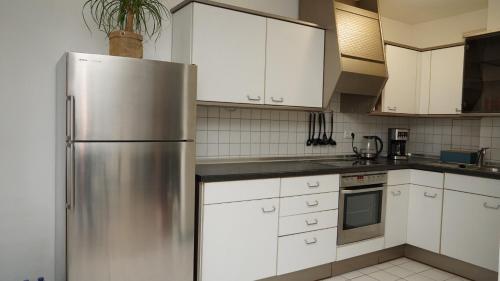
{"x": 398, "y": 139}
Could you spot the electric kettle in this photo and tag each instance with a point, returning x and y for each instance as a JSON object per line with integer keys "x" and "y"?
{"x": 371, "y": 147}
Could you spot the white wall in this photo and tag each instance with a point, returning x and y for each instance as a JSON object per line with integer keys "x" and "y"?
{"x": 494, "y": 15}
{"x": 397, "y": 31}
{"x": 34, "y": 35}
{"x": 434, "y": 33}
{"x": 449, "y": 30}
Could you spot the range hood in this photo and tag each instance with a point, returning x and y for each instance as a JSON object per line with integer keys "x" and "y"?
{"x": 354, "y": 51}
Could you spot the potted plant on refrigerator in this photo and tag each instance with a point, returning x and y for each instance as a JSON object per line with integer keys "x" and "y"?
{"x": 123, "y": 21}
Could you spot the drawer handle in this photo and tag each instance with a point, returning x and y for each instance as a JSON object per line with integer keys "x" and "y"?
{"x": 458, "y": 110}
{"x": 272, "y": 210}
{"x": 313, "y": 185}
{"x": 250, "y": 98}
{"x": 313, "y": 241}
{"x": 430, "y": 196}
{"x": 396, "y": 193}
{"x": 273, "y": 99}
{"x": 394, "y": 108}
{"x": 312, "y": 204}
{"x": 490, "y": 207}
{"x": 313, "y": 222}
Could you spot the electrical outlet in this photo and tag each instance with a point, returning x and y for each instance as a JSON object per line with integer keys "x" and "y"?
{"x": 347, "y": 135}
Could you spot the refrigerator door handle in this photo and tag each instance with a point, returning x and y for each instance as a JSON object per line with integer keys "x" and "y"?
{"x": 70, "y": 118}
{"x": 70, "y": 177}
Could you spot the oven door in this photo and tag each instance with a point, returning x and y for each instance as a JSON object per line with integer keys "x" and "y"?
{"x": 362, "y": 213}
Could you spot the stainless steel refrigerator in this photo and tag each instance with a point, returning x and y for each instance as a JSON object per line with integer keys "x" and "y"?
{"x": 125, "y": 180}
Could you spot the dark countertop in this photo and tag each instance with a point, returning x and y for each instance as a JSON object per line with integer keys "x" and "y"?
{"x": 215, "y": 172}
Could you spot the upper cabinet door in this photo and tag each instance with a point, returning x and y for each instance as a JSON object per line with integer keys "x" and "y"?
{"x": 423, "y": 82}
{"x": 229, "y": 48}
{"x": 294, "y": 70}
{"x": 399, "y": 92}
{"x": 446, "y": 81}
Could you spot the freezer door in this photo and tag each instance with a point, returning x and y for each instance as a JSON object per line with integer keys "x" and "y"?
{"x": 115, "y": 98}
{"x": 131, "y": 211}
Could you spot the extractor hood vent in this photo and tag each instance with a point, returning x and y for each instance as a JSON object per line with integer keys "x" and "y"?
{"x": 354, "y": 51}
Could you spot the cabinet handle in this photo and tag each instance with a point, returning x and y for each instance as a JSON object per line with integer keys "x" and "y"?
{"x": 396, "y": 193}
{"x": 430, "y": 196}
{"x": 458, "y": 110}
{"x": 313, "y": 241}
{"x": 394, "y": 108}
{"x": 313, "y": 185}
{"x": 250, "y": 98}
{"x": 280, "y": 100}
{"x": 313, "y": 222}
{"x": 272, "y": 210}
{"x": 313, "y": 204}
{"x": 490, "y": 207}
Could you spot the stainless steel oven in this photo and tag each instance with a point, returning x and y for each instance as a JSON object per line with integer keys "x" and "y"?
{"x": 361, "y": 206}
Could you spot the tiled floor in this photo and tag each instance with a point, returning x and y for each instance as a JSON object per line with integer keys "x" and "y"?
{"x": 399, "y": 269}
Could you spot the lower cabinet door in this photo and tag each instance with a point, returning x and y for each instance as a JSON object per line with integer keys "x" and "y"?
{"x": 396, "y": 215}
{"x": 301, "y": 251}
{"x": 239, "y": 240}
{"x": 471, "y": 228}
{"x": 424, "y": 217}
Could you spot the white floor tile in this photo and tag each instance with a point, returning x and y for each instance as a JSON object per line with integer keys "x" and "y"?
{"x": 384, "y": 265}
{"x": 364, "y": 278}
{"x": 336, "y": 278}
{"x": 383, "y": 276}
{"x": 368, "y": 270}
{"x": 458, "y": 278}
{"x": 399, "y": 261}
{"x": 417, "y": 277}
{"x": 436, "y": 274}
{"x": 352, "y": 274}
{"x": 399, "y": 271}
{"x": 414, "y": 266}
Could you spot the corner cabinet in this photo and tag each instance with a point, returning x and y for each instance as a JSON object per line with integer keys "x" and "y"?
{"x": 250, "y": 59}
{"x": 424, "y": 82}
{"x": 447, "y": 68}
{"x": 399, "y": 94}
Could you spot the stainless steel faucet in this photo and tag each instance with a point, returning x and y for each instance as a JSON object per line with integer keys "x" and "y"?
{"x": 481, "y": 155}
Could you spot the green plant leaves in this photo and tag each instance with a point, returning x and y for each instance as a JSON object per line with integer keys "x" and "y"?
{"x": 111, "y": 15}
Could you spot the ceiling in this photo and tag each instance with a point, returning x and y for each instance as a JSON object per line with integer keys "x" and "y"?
{"x": 418, "y": 11}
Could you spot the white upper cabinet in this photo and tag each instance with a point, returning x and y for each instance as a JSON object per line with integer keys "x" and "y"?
{"x": 446, "y": 81}
{"x": 229, "y": 48}
{"x": 294, "y": 64}
{"x": 423, "y": 82}
{"x": 250, "y": 59}
{"x": 400, "y": 89}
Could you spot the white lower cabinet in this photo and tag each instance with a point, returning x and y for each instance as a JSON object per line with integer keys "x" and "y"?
{"x": 301, "y": 251}
{"x": 424, "y": 217}
{"x": 396, "y": 215}
{"x": 239, "y": 240}
{"x": 471, "y": 228}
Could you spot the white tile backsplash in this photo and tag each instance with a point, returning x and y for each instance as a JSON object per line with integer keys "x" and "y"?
{"x": 239, "y": 132}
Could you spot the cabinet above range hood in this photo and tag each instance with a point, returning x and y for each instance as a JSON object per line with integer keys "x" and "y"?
{"x": 354, "y": 51}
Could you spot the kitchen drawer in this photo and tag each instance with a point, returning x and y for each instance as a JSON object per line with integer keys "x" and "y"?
{"x": 425, "y": 178}
{"x": 308, "y": 222}
{"x": 309, "y": 185}
{"x": 232, "y": 191}
{"x": 300, "y": 251}
{"x": 398, "y": 177}
{"x": 481, "y": 186}
{"x": 308, "y": 203}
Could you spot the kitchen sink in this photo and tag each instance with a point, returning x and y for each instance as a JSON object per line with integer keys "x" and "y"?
{"x": 489, "y": 169}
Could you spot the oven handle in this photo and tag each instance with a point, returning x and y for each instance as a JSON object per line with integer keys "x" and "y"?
{"x": 382, "y": 188}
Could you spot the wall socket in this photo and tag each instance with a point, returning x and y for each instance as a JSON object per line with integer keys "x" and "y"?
{"x": 347, "y": 135}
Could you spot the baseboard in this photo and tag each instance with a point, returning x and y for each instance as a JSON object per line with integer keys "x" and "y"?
{"x": 355, "y": 263}
{"x": 451, "y": 265}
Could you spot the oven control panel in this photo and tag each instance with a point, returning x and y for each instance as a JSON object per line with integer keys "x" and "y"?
{"x": 359, "y": 179}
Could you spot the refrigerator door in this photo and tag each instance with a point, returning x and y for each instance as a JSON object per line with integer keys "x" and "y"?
{"x": 131, "y": 212}
{"x": 115, "y": 98}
